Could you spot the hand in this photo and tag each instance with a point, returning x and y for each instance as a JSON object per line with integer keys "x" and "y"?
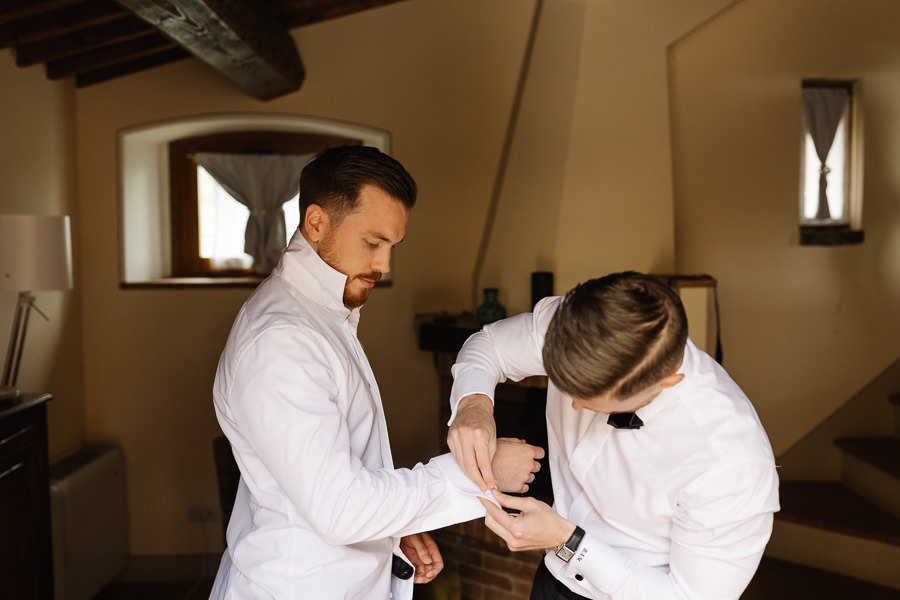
{"x": 515, "y": 464}
{"x": 473, "y": 439}
{"x": 423, "y": 553}
{"x": 535, "y": 527}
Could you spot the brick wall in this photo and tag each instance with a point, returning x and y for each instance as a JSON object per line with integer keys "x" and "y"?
{"x": 480, "y": 566}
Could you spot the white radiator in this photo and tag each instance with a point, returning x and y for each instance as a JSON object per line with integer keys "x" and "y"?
{"x": 87, "y": 498}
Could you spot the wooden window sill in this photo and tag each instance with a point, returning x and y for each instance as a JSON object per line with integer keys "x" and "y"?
{"x": 830, "y": 236}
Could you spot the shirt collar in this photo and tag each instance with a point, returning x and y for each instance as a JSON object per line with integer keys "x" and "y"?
{"x": 305, "y": 270}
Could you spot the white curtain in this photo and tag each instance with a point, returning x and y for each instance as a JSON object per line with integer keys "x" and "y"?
{"x": 823, "y": 108}
{"x": 262, "y": 183}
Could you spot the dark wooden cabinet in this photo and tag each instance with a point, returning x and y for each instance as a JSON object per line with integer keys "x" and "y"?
{"x": 26, "y": 556}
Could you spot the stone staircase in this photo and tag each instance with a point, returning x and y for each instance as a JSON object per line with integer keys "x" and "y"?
{"x": 849, "y": 527}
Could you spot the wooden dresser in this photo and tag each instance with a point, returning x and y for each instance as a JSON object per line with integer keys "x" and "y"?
{"x": 26, "y": 556}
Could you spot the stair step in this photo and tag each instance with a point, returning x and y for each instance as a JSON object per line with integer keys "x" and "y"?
{"x": 782, "y": 580}
{"x": 834, "y": 507}
{"x": 880, "y": 452}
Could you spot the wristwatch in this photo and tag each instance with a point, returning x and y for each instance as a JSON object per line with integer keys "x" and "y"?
{"x": 570, "y": 547}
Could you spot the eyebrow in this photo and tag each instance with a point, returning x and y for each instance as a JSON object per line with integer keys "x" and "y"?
{"x": 383, "y": 238}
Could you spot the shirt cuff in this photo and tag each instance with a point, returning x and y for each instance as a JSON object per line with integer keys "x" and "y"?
{"x": 450, "y": 469}
{"x": 597, "y": 566}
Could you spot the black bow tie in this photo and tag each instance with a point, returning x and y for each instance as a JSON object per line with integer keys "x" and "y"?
{"x": 625, "y": 421}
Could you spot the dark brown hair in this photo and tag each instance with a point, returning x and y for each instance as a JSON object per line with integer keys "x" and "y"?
{"x": 618, "y": 334}
{"x": 333, "y": 178}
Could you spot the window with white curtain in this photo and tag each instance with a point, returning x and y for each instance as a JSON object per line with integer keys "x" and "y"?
{"x": 223, "y": 221}
{"x": 233, "y": 199}
{"x": 829, "y": 186}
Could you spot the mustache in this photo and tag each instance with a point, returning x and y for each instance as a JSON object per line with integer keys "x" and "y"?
{"x": 373, "y": 276}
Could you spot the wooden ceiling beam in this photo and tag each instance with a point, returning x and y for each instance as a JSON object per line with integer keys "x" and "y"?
{"x": 11, "y": 10}
{"x": 107, "y": 55}
{"x": 127, "y": 67}
{"x": 104, "y": 34}
{"x": 242, "y": 39}
{"x": 57, "y": 22}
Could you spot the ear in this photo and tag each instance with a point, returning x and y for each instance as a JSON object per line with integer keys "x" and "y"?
{"x": 315, "y": 223}
{"x": 671, "y": 379}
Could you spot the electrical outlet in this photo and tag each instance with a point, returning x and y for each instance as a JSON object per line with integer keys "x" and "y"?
{"x": 202, "y": 514}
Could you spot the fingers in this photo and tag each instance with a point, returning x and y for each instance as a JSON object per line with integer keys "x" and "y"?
{"x": 431, "y": 562}
{"x": 437, "y": 561}
{"x": 474, "y": 450}
{"x": 512, "y": 502}
{"x": 496, "y": 519}
{"x": 484, "y": 456}
{"x": 472, "y": 439}
{"x": 421, "y": 549}
{"x": 423, "y": 553}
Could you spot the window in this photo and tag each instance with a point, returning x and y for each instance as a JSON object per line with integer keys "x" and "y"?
{"x": 223, "y": 221}
{"x": 146, "y": 225}
{"x": 829, "y": 180}
{"x": 207, "y": 222}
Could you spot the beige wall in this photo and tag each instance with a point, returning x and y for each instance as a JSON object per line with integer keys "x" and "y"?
{"x": 804, "y": 328}
{"x": 37, "y": 176}
{"x": 589, "y": 190}
{"x": 438, "y": 76}
{"x": 595, "y": 182}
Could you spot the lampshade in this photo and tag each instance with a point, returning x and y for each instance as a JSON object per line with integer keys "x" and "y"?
{"x": 35, "y": 253}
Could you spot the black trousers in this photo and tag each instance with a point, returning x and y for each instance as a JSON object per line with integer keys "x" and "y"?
{"x": 548, "y": 587}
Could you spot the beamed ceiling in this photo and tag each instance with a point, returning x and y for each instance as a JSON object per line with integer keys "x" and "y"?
{"x": 247, "y": 41}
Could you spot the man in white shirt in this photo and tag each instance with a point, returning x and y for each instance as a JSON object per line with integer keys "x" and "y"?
{"x": 664, "y": 481}
{"x": 320, "y": 511}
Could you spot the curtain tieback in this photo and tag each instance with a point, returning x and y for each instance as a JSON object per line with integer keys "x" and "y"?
{"x": 260, "y": 212}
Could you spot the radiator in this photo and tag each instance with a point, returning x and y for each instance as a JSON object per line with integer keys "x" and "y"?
{"x": 87, "y": 501}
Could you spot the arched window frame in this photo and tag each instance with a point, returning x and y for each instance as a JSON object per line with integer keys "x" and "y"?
{"x": 145, "y": 224}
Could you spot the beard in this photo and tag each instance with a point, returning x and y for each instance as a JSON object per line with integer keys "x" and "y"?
{"x": 352, "y": 298}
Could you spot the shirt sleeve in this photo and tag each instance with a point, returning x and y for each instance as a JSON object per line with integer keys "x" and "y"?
{"x": 507, "y": 349}
{"x": 718, "y": 537}
{"x": 292, "y": 434}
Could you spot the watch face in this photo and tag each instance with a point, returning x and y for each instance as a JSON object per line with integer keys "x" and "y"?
{"x": 565, "y": 553}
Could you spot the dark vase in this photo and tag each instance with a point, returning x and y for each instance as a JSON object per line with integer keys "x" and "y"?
{"x": 490, "y": 310}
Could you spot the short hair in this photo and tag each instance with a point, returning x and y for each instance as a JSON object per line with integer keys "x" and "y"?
{"x": 617, "y": 334}
{"x": 333, "y": 178}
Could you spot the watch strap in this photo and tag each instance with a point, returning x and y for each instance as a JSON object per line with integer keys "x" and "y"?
{"x": 568, "y": 549}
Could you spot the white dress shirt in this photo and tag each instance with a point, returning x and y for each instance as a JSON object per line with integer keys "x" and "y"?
{"x": 319, "y": 509}
{"x": 681, "y": 508}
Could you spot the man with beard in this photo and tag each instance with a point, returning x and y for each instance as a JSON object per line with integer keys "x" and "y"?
{"x": 320, "y": 511}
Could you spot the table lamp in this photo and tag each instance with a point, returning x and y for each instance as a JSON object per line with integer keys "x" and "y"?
{"x": 35, "y": 254}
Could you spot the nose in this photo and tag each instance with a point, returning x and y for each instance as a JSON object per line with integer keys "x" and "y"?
{"x": 382, "y": 262}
